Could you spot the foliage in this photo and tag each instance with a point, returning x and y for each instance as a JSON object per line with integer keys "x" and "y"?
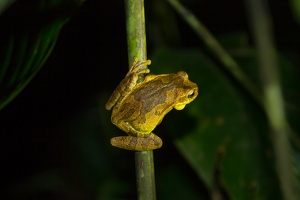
{"x": 28, "y": 34}
{"x": 225, "y": 142}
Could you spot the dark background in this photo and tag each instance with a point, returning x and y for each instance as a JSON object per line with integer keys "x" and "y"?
{"x": 90, "y": 58}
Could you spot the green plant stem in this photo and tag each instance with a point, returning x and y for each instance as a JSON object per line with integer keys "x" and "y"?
{"x": 217, "y": 49}
{"x": 273, "y": 100}
{"x": 136, "y": 40}
{"x": 136, "y": 34}
{"x": 145, "y": 175}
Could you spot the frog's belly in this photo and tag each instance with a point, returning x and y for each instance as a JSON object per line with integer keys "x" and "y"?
{"x": 145, "y": 125}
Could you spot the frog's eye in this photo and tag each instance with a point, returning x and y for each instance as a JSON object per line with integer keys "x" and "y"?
{"x": 183, "y": 74}
{"x": 191, "y": 94}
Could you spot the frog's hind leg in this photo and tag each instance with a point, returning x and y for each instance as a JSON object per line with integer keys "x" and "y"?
{"x": 128, "y": 83}
{"x": 137, "y": 143}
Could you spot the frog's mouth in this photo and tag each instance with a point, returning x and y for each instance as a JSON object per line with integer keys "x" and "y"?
{"x": 179, "y": 106}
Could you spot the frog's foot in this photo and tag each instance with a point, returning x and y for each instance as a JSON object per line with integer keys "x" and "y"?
{"x": 137, "y": 143}
{"x": 137, "y": 67}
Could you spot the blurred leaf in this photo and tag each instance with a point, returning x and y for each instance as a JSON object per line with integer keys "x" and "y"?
{"x": 295, "y": 7}
{"x": 172, "y": 178}
{"x": 29, "y": 30}
{"x": 4, "y": 4}
{"x": 222, "y": 134}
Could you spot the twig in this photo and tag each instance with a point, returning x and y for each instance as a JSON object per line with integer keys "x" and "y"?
{"x": 136, "y": 40}
{"x": 273, "y": 100}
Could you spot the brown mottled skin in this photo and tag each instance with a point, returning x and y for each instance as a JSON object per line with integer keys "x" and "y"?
{"x": 139, "y": 107}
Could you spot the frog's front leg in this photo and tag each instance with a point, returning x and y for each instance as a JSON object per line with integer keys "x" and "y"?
{"x": 148, "y": 142}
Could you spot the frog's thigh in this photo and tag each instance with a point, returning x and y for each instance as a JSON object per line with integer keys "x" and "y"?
{"x": 125, "y": 126}
{"x": 137, "y": 143}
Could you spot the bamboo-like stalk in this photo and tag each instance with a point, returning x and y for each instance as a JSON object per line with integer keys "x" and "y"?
{"x": 273, "y": 99}
{"x": 136, "y": 41}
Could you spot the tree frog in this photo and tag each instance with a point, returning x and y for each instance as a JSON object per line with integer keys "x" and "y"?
{"x": 139, "y": 107}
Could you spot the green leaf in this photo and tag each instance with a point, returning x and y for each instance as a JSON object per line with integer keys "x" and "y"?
{"x": 4, "y": 4}
{"x": 29, "y": 30}
{"x": 295, "y": 6}
{"x": 222, "y": 134}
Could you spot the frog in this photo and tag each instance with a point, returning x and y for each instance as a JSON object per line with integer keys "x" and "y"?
{"x": 138, "y": 107}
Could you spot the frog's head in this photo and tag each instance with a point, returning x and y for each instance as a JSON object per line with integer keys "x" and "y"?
{"x": 187, "y": 91}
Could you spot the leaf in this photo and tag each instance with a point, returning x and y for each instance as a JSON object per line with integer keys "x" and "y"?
{"x": 168, "y": 180}
{"x": 29, "y": 31}
{"x": 4, "y": 4}
{"x": 222, "y": 134}
{"x": 295, "y": 6}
